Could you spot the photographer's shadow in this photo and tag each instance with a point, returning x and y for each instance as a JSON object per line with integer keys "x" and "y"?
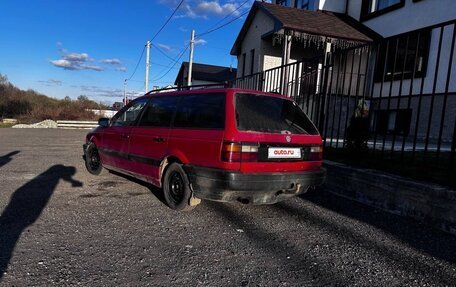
{"x": 4, "y": 159}
{"x": 26, "y": 205}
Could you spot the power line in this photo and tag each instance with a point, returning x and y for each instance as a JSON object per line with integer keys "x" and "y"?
{"x": 156, "y": 34}
{"x": 175, "y": 62}
{"x": 221, "y": 26}
{"x": 137, "y": 64}
{"x": 163, "y": 53}
{"x": 232, "y": 12}
{"x": 167, "y": 20}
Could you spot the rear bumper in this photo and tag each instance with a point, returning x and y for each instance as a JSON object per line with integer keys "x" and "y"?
{"x": 255, "y": 188}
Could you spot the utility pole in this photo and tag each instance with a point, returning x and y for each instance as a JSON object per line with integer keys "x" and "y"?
{"x": 146, "y": 83}
{"x": 125, "y": 92}
{"x": 190, "y": 62}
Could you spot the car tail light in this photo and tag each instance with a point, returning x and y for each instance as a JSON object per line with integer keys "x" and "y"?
{"x": 239, "y": 152}
{"x": 316, "y": 153}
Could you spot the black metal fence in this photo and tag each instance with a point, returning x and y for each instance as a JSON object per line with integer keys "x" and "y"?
{"x": 394, "y": 100}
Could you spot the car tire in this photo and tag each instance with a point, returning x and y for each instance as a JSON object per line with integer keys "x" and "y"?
{"x": 92, "y": 160}
{"x": 176, "y": 188}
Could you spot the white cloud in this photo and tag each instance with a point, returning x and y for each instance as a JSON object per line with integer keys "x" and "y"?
{"x": 113, "y": 61}
{"x": 121, "y": 69}
{"x": 65, "y": 64}
{"x": 51, "y": 82}
{"x": 165, "y": 47}
{"x": 182, "y": 29}
{"x": 75, "y": 65}
{"x": 200, "y": 42}
{"x": 76, "y": 57}
{"x": 97, "y": 91}
{"x": 204, "y": 8}
{"x": 80, "y": 61}
{"x": 91, "y": 67}
{"x": 214, "y": 7}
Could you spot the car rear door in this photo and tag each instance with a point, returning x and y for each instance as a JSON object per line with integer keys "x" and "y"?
{"x": 149, "y": 138}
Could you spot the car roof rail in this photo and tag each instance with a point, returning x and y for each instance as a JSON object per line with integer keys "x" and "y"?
{"x": 191, "y": 87}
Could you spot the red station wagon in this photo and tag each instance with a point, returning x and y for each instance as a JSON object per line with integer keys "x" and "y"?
{"x": 214, "y": 144}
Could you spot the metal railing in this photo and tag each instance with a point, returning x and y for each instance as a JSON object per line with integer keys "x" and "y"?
{"x": 394, "y": 101}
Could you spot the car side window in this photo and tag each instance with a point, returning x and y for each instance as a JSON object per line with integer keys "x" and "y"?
{"x": 129, "y": 115}
{"x": 205, "y": 111}
{"x": 159, "y": 112}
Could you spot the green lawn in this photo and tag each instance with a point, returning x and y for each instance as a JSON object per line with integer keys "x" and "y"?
{"x": 3, "y": 125}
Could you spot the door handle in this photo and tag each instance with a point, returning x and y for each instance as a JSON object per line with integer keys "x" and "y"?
{"x": 124, "y": 136}
{"x": 159, "y": 139}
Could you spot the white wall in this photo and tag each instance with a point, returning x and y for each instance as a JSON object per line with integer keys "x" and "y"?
{"x": 332, "y": 5}
{"x": 260, "y": 25}
{"x": 412, "y": 16}
{"x": 354, "y": 8}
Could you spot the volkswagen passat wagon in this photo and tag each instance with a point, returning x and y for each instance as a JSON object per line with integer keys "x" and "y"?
{"x": 214, "y": 144}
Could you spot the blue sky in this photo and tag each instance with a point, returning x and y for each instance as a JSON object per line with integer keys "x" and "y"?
{"x": 85, "y": 47}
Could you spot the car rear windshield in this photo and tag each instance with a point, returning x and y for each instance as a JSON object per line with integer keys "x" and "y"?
{"x": 260, "y": 113}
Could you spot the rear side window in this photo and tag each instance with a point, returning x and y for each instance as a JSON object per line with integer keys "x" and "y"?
{"x": 159, "y": 112}
{"x": 201, "y": 112}
{"x": 261, "y": 113}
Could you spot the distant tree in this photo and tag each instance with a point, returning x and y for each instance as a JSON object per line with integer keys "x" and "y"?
{"x": 31, "y": 106}
{"x": 83, "y": 99}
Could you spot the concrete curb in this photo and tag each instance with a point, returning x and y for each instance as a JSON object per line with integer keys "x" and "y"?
{"x": 430, "y": 203}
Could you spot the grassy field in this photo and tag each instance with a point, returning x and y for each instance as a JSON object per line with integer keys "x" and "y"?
{"x": 6, "y": 125}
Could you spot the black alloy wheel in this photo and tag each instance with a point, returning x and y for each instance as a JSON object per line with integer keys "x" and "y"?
{"x": 176, "y": 188}
{"x": 92, "y": 160}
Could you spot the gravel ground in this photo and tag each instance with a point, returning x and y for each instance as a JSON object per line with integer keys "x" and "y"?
{"x": 61, "y": 226}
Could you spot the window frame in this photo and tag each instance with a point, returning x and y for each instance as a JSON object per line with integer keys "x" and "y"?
{"x": 252, "y": 61}
{"x": 310, "y": 128}
{"x": 380, "y": 74}
{"x": 181, "y": 97}
{"x": 138, "y": 121}
{"x": 366, "y": 15}
{"x": 308, "y": 5}
{"x": 243, "y": 64}
{"x": 285, "y": 3}
{"x": 125, "y": 108}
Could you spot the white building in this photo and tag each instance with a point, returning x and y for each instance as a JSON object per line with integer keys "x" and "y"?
{"x": 407, "y": 72}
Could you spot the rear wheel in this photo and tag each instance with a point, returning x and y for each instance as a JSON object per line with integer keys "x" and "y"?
{"x": 92, "y": 160}
{"x": 176, "y": 188}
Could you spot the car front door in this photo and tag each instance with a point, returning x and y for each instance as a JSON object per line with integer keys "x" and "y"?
{"x": 149, "y": 138}
{"x": 114, "y": 148}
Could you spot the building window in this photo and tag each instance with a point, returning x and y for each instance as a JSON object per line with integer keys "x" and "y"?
{"x": 305, "y": 4}
{"x": 243, "y": 64}
{"x": 285, "y": 3}
{"x": 252, "y": 61}
{"x": 393, "y": 121}
{"x": 373, "y": 8}
{"x": 403, "y": 56}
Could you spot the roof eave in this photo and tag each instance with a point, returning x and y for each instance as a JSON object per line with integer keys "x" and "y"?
{"x": 236, "y": 49}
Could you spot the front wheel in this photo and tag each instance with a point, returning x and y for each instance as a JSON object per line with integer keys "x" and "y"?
{"x": 176, "y": 188}
{"x": 92, "y": 160}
